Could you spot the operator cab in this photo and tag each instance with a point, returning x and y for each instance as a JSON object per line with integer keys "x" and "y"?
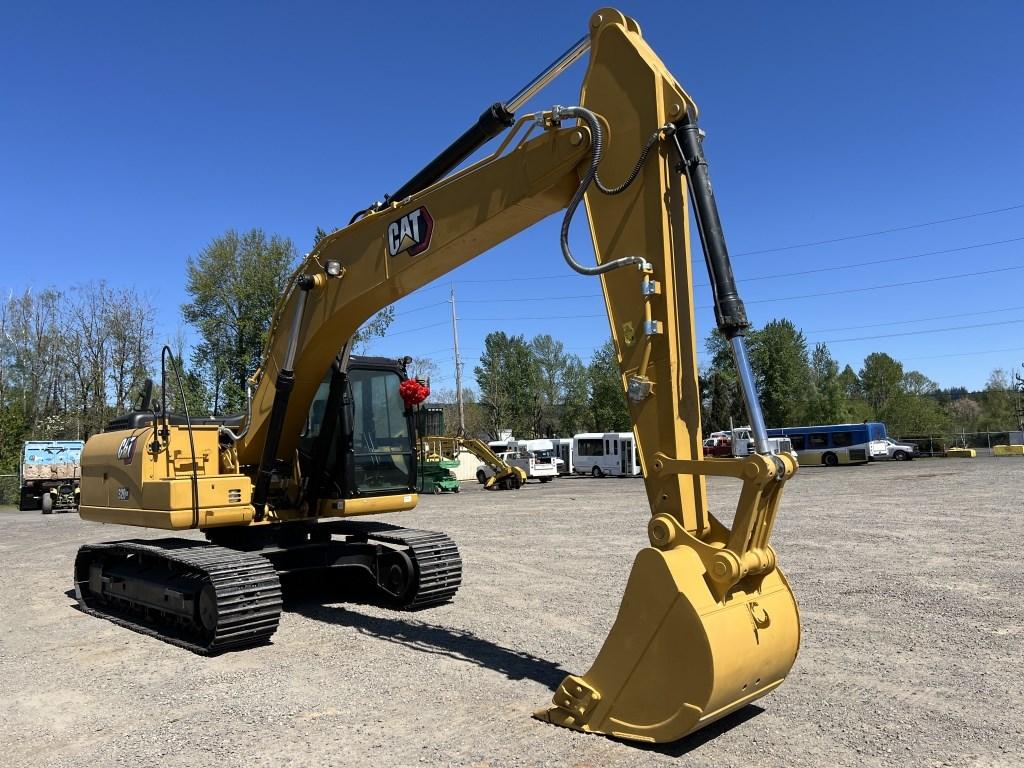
{"x": 359, "y": 434}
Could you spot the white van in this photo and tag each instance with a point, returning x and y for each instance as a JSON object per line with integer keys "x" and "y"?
{"x": 605, "y": 453}
{"x": 537, "y": 457}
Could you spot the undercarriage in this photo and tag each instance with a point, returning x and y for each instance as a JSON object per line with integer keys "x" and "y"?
{"x": 225, "y": 594}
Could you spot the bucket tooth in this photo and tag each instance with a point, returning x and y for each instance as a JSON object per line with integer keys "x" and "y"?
{"x": 676, "y": 658}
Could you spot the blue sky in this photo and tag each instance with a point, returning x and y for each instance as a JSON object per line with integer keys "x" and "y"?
{"x": 131, "y": 134}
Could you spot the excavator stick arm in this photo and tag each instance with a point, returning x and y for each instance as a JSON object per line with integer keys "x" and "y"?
{"x": 707, "y": 622}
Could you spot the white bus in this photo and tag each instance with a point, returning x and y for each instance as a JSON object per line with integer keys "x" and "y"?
{"x": 605, "y": 453}
{"x": 833, "y": 444}
{"x": 563, "y": 451}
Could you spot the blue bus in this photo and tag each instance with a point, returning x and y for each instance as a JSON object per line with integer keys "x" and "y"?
{"x": 834, "y": 444}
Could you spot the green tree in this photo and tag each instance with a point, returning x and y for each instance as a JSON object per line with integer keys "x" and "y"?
{"x": 235, "y": 284}
{"x": 14, "y": 430}
{"x": 964, "y": 414}
{"x": 850, "y": 383}
{"x": 508, "y": 381}
{"x": 830, "y": 403}
{"x": 550, "y": 359}
{"x": 857, "y": 408}
{"x": 608, "y": 409}
{"x": 722, "y": 401}
{"x": 778, "y": 355}
{"x": 997, "y": 403}
{"x": 916, "y": 383}
{"x": 917, "y": 415}
{"x": 881, "y": 381}
{"x": 915, "y": 410}
{"x": 562, "y": 388}
{"x": 575, "y": 413}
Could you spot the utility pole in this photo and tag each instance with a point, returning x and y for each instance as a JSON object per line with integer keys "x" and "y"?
{"x": 458, "y": 366}
{"x": 1018, "y": 385}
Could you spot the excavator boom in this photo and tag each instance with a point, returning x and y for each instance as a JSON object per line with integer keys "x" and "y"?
{"x": 708, "y": 622}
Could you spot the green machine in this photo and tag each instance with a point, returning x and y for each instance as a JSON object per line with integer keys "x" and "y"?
{"x": 438, "y": 456}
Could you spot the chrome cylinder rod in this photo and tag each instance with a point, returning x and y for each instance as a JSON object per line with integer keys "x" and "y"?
{"x": 749, "y": 390}
{"x": 560, "y": 65}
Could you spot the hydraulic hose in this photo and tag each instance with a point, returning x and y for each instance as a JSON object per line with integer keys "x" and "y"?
{"x": 597, "y": 149}
{"x": 227, "y": 432}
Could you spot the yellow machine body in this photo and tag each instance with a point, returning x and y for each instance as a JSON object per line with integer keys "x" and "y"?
{"x": 708, "y": 622}
{"x": 140, "y": 487}
{"x": 154, "y": 489}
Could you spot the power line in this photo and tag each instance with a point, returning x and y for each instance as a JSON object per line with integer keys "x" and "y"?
{"x": 404, "y": 312}
{"x": 561, "y": 276}
{"x": 541, "y": 298}
{"x": 923, "y": 332}
{"x": 868, "y": 263}
{"x": 413, "y": 330}
{"x": 802, "y": 272}
{"x": 519, "y": 317}
{"x": 918, "y": 320}
{"x": 880, "y": 231}
{"x": 435, "y": 351}
{"x": 968, "y": 354}
{"x": 884, "y": 285}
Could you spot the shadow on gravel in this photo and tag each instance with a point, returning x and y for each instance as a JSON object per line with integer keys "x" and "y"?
{"x": 703, "y": 736}
{"x": 307, "y": 599}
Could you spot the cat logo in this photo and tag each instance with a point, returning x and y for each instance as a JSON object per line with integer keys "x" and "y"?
{"x": 411, "y": 233}
{"x": 126, "y": 450}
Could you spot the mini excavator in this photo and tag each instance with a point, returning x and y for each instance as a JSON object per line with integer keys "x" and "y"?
{"x": 707, "y": 623}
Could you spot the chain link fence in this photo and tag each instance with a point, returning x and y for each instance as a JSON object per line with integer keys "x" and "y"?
{"x": 10, "y": 490}
{"x": 982, "y": 442}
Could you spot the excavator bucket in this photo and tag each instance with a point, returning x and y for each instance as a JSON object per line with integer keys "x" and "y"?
{"x": 677, "y": 657}
{"x": 707, "y": 624}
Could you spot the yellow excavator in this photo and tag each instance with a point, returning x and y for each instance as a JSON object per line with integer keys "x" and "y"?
{"x": 707, "y": 622}
{"x": 435, "y": 448}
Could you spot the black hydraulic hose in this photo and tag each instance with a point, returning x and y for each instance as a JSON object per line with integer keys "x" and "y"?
{"x": 165, "y": 354}
{"x": 596, "y": 149}
{"x": 654, "y": 138}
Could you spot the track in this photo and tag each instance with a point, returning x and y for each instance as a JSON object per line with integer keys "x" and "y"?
{"x": 210, "y": 598}
{"x": 205, "y": 598}
{"x": 435, "y": 557}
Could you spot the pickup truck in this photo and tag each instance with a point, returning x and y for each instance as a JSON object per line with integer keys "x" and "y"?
{"x": 718, "y": 446}
{"x": 898, "y": 451}
{"x": 51, "y": 471}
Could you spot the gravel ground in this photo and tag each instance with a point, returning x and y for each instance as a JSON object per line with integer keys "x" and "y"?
{"x": 911, "y": 650}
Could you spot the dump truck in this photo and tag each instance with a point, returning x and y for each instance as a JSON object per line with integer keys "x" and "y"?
{"x": 51, "y": 473}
